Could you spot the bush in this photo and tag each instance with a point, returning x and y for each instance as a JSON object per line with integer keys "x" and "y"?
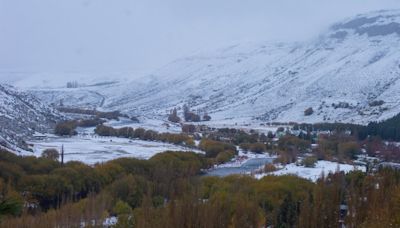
{"x": 173, "y": 117}
{"x": 225, "y": 156}
{"x": 258, "y": 148}
{"x": 309, "y": 162}
{"x": 105, "y": 130}
{"x": 294, "y": 143}
{"x": 66, "y": 128}
{"x": 213, "y": 148}
{"x": 91, "y": 122}
{"x": 308, "y": 111}
{"x": 122, "y": 208}
{"x": 135, "y": 119}
{"x": 348, "y": 150}
{"x": 253, "y": 147}
{"x": 376, "y": 103}
{"x": 269, "y": 168}
{"x": 10, "y": 206}
{"x": 188, "y": 128}
{"x": 51, "y": 154}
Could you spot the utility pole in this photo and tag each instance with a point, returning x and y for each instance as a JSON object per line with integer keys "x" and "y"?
{"x": 62, "y": 154}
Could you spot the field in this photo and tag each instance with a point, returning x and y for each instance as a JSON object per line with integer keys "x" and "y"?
{"x": 93, "y": 149}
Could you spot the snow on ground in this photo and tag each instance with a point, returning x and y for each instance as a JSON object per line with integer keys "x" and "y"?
{"x": 353, "y": 63}
{"x": 111, "y": 221}
{"x": 92, "y": 149}
{"x": 321, "y": 167}
{"x": 148, "y": 124}
{"x": 245, "y": 124}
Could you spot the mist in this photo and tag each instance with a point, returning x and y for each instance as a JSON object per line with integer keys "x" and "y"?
{"x": 142, "y": 35}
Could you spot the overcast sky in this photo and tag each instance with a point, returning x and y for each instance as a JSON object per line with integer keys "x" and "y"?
{"x": 136, "y": 35}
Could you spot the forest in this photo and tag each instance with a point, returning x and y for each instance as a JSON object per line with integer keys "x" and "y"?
{"x": 387, "y": 130}
{"x": 169, "y": 190}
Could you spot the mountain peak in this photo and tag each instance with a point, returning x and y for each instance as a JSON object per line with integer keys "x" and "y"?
{"x": 378, "y": 23}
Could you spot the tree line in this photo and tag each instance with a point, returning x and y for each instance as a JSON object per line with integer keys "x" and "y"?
{"x": 115, "y": 115}
{"x": 169, "y": 191}
{"x": 217, "y": 151}
{"x": 68, "y": 128}
{"x": 143, "y": 134}
{"x": 188, "y": 115}
{"x": 387, "y": 129}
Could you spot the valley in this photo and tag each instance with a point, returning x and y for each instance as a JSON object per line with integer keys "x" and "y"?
{"x": 255, "y": 134}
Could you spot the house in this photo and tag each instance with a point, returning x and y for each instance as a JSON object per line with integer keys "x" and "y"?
{"x": 39, "y": 136}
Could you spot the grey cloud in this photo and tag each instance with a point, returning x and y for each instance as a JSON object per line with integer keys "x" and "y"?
{"x": 129, "y": 35}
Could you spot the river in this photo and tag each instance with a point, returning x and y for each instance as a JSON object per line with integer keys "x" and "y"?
{"x": 247, "y": 167}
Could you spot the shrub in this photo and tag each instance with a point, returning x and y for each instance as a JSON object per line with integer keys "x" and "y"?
{"x": 173, "y": 117}
{"x": 188, "y": 128}
{"x": 52, "y": 154}
{"x": 376, "y": 103}
{"x": 269, "y": 168}
{"x": 308, "y": 111}
{"x": 135, "y": 119}
{"x": 225, "y": 156}
{"x": 213, "y": 148}
{"x": 105, "y": 130}
{"x": 309, "y": 162}
{"x": 253, "y": 147}
{"x": 294, "y": 143}
{"x": 91, "y": 122}
{"x": 66, "y": 128}
{"x": 348, "y": 150}
{"x": 10, "y": 206}
{"x": 122, "y": 208}
{"x": 258, "y": 148}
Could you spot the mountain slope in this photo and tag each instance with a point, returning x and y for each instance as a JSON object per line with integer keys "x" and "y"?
{"x": 349, "y": 74}
{"x": 21, "y": 116}
{"x": 344, "y": 75}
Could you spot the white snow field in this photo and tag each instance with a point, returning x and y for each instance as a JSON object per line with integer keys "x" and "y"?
{"x": 350, "y": 73}
{"x": 148, "y": 124}
{"x": 91, "y": 149}
{"x": 321, "y": 168}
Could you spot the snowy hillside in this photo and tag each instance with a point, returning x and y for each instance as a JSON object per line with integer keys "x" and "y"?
{"x": 350, "y": 73}
{"x": 21, "y": 116}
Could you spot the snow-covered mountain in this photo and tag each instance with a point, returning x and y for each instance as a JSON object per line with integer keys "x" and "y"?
{"x": 350, "y": 73}
{"x": 21, "y": 116}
